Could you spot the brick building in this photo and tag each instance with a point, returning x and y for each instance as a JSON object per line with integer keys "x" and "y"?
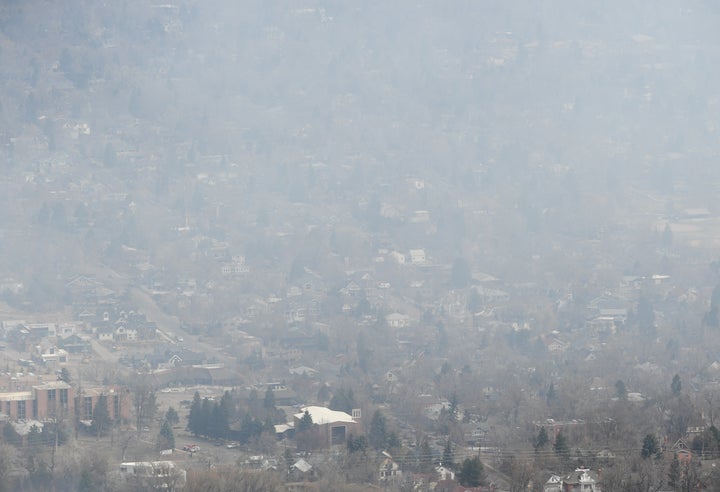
{"x": 119, "y": 402}
{"x": 41, "y": 402}
{"x": 334, "y": 427}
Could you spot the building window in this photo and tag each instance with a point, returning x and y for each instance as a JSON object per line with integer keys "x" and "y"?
{"x": 35, "y": 409}
{"x": 51, "y": 395}
{"x": 116, "y": 407}
{"x": 337, "y": 435}
{"x": 64, "y": 398}
{"x": 21, "y": 410}
{"x": 87, "y": 407}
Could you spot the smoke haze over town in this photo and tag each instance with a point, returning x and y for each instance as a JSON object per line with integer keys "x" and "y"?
{"x": 342, "y": 246}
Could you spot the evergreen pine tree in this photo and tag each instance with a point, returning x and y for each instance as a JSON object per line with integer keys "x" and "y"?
{"x": 676, "y": 385}
{"x": 218, "y": 425}
{"x": 378, "y": 431}
{"x": 227, "y": 406}
{"x": 289, "y": 459}
{"x": 195, "y": 418}
{"x": 343, "y": 400}
{"x": 550, "y": 395}
{"x": 674, "y": 473}
{"x": 65, "y": 375}
{"x": 561, "y": 446}
{"x": 425, "y": 463}
{"x": 10, "y": 435}
{"x": 454, "y": 408}
{"x": 306, "y": 422}
{"x": 541, "y": 440}
{"x": 448, "y": 460}
{"x": 269, "y": 426}
{"x": 206, "y": 415}
{"x": 650, "y": 446}
{"x": 171, "y": 416}
{"x": 101, "y": 416}
{"x": 620, "y": 389}
{"x": 269, "y": 401}
{"x": 34, "y": 436}
{"x": 472, "y": 473}
{"x": 393, "y": 441}
{"x": 166, "y": 437}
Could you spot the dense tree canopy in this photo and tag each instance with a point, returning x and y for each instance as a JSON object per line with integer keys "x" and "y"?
{"x": 471, "y": 473}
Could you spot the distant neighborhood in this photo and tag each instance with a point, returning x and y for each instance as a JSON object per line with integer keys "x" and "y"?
{"x": 359, "y": 246}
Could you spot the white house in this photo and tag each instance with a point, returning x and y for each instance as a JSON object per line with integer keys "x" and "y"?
{"x": 582, "y": 479}
{"x": 397, "y": 320}
{"x": 389, "y": 470}
{"x": 162, "y": 475}
{"x": 398, "y": 257}
{"x": 417, "y": 257}
{"x": 444, "y": 473}
{"x": 553, "y": 484}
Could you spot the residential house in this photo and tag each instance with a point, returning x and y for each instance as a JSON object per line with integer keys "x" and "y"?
{"x": 282, "y": 395}
{"x": 489, "y": 295}
{"x": 38, "y": 331}
{"x": 65, "y": 330}
{"x": 397, "y": 320}
{"x": 454, "y": 305}
{"x": 553, "y": 484}
{"x": 696, "y": 427}
{"x": 160, "y": 475}
{"x": 106, "y": 334}
{"x": 389, "y": 470}
{"x": 54, "y": 356}
{"x": 398, "y": 257}
{"x": 74, "y": 344}
{"x": 581, "y": 480}
{"x": 444, "y": 473}
{"x": 601, "y": 326}
{"x": 113, "y": 323}
{"x": 605, "y": 454}
{"x": 420, "y": 217}
{"x": 125, "y": 334}
{"x": 169, "y": 356}
{"x": 303, "y": 371}
{"x": 82, "y": 285}
{"x": 352, "y": 289}
{"x": 682, "y": 451}
{"x": 556, "y": 346}
{"x": 417, "y": 257}
{"x": 301, "y": 470}
{"x": 608, "y": 307}
{"x": 233, "y": 269}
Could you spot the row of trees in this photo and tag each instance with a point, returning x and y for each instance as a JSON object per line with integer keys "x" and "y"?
{"x": 213, "y": 419}
{"x": 210, "y": 418}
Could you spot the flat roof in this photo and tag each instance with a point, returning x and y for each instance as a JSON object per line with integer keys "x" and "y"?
{"x": 52, "y": 385}
{"x": 16, "y": 396}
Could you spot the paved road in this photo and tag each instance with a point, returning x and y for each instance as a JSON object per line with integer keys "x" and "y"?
{"x": 166, "y": 324}
{"x": 170, "y": 327}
